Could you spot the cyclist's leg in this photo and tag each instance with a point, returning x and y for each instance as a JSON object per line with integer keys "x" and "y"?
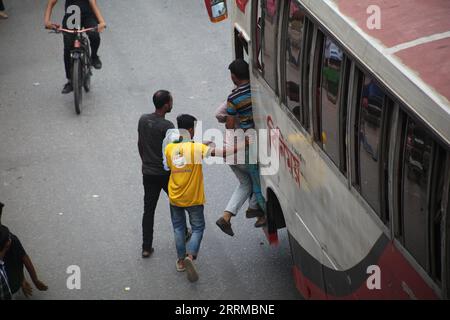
{"x": 94, "y": 37}
{"x": 68, "y": 46}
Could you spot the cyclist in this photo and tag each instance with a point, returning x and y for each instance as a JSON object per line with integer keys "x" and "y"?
{"x": 90, "y": 17}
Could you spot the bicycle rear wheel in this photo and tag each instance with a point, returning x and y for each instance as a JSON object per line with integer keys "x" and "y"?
{"x": 77, "y": 83}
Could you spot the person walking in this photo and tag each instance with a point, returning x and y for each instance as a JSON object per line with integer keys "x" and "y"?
{"x": 152, "y": 130}
{"x": 184, "y": 157}
{"x": 15, "y": 259}
{"x": 186, "y": 193}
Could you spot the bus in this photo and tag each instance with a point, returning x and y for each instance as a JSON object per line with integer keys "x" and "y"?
{"x": 359, "y": 91}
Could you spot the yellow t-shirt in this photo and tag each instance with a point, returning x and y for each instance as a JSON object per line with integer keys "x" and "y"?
{"x": 186, "y": 173}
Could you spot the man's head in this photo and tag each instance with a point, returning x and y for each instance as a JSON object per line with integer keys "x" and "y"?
{"x": 240, "y": 72}
{"x": 163, "y": 101}
{"x": 187, "y": 122}
{"x": 5, "y": 240}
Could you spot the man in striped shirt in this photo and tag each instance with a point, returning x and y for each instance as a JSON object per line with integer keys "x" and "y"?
{"x": 240, "y": 100}
{"x": 239, "y": 106}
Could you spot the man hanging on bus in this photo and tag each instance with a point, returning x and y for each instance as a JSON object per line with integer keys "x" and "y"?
{"x": 240, "y": 106}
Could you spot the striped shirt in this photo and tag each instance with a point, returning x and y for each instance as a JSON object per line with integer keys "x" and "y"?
{"x": 240, "y": 105}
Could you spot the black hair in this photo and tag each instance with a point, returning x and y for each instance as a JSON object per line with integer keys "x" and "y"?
{"x": 161, "y": 98}
{"x": 186, "y": 121}
{"x": 240, "y": 69}
{"x": 5, "y": 236}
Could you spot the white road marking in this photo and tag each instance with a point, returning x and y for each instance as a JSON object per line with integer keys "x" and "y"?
{"x": 418, "y": 42}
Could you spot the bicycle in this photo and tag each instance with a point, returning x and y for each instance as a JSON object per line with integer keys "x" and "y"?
{"x": 81, "y": 63}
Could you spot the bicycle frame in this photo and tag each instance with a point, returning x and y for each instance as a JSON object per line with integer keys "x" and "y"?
{"x": 81, "y": 63}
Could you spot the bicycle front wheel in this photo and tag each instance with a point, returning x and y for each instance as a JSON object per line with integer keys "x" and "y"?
{"x": 77, "y": 83}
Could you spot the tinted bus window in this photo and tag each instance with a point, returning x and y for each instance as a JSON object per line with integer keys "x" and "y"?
{"x": 309, "y": 31}
{"x": 332, "y": 70}
{"x": 416, "y": 180}
{"x": 422, "y": 194}
{"x": 269, "y": 44}
{"x": 369, "y": 141}
{"x": 294, "y": 39}
{"x": 257, "y": 50}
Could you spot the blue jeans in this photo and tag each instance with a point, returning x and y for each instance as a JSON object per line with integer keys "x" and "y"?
{"x": 197, "y": 221}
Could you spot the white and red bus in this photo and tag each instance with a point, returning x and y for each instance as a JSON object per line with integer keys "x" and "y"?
{"x": 360, "y": 92}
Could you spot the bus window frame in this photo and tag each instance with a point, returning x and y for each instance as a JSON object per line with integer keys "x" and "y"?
{"x": 318, "y": 41}
{"x": 283, "y": 34}
{"x": 446, "y": 234}
{"x": 240, "y": 45}
{"x": 257, "y": 34}
{"x": 386, "y": 132}
{"x": 442, "y": 286}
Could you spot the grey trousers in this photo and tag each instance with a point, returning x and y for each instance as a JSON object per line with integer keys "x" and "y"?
{"x": 242, "y": 192}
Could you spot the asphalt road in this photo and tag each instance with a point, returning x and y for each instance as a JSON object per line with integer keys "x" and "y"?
{"x": 72, "y": 184}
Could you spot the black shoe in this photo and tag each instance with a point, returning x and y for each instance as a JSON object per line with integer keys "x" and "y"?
{"x": 96, "y": 63}
{"x": 147, "y": 253}
{"x": 225, "y": 226}
{"x": 67, "y": 88}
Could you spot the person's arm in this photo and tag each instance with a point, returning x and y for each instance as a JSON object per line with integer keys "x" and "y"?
{"x": 48, "y": 15}
{"x": 231, "y": 118}
{"x": 228, "y": 150}
{"x": 98, "y": 14}
{"x": 32, "y": 272}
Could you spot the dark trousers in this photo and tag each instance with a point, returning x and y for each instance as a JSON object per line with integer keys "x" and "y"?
{"x": 2, "y": 6}
{"x": 152, "y": 190}
{"x": 94, "y": 38}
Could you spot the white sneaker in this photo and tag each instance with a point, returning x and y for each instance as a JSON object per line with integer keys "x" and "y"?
{"x": 3, "y": 15}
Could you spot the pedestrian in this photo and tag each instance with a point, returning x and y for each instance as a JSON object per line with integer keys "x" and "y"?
{"x": 15, "y": 259}
{"x": 152, "y": 131}
{"x": 186, "y": 191}
{"x": 240, "y": 115}
{"x": 90, "y": 17}
{"x": 3, "y": 14}
{"x": 5, "y": 243}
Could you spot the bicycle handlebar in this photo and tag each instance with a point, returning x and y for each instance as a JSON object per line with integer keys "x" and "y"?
{"x": 74, "y": 31}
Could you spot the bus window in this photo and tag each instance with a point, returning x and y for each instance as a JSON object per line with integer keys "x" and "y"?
{"x": 267, "y": 15}
{"x": 422, "y": 191}
{"x": 369, "y": 137}
{"x": 241, "y": 46}
{"x": 294, "y": 40}
{"x": 257, "y": 49}
{"x": 332, "y": 73}
{"x": 309, "y": 31}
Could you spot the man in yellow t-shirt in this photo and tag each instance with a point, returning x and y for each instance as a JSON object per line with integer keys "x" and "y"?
{"x": 186, "y": 193}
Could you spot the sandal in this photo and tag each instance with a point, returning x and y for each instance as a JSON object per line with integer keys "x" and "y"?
{"x": 180, "y": 266}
